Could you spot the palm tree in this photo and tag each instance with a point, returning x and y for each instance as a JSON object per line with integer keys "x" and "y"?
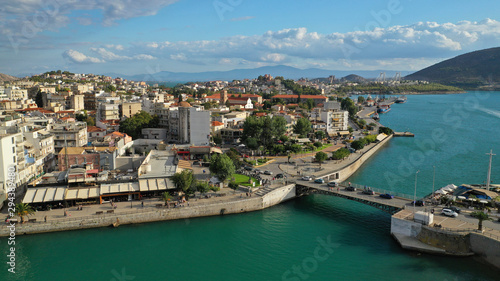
{"x": 23, "y": 209}
{"x": 165, "y": 196}
{"x": 481, "y": 216}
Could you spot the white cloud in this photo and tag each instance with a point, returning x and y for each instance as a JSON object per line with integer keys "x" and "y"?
{"x": 77, "y": 57}
{"x": 22, "y": 18}
{"x": 427, "y": 40}
{"x": 110, "y": 56}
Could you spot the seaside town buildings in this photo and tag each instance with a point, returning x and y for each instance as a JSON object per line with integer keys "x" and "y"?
{"x": 63, "y": 127}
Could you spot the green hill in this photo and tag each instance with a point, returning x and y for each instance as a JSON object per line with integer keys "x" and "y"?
{"x": 471, "y": 70}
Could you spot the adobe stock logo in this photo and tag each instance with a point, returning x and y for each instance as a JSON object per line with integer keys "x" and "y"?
{"x": 310, "y": 264}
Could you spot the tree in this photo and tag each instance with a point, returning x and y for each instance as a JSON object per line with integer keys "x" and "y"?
{"x": 39, "y": 99}
{"x": 110, "y": 88}
{"x": 235, "y": 157}
{"x": 481, "y": 216}
{"x": 217, "y": 140}
{"x": 320, "y": 157}
{"x": 222, "y": 166}
{"x": 357, "y": 144}
{"x": 202, "y": 187}
{"x": 340, "y": 153}
{"x": 233, "y": 185}
{"x": 23, "y": 209}
{"x": 184, "y": 180}
{"x": 302, "y": 127}
{"x": 132, "y": 126}
{"x": 385, "y": 130}
{"x": 361, "y": 99}
{"x": 165, "y": 196}
{"x": 320, "y": 135}
{"x": 310, "y": 104}
{"x": 252, "y": 143}
{"x": 318, "y": 144}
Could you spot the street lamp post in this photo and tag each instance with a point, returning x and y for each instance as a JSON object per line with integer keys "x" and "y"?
{"x": 433, "y": 181}
{"x": 415, "y": 193}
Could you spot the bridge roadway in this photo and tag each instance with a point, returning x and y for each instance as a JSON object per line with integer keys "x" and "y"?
{"x": 391, "y": 206}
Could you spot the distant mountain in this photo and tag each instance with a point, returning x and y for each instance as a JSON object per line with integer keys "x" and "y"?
{"x": 7, "y": 78}
{"x": 287, "y": 72}
{"x": 467, "y": 70}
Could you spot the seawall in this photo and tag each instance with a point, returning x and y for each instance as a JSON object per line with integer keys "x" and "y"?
{"x": 272, "y": 198}
{"x": 345, "y": 172}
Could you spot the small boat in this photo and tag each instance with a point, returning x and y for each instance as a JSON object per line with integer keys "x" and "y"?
{"x": 401, "y": 99}
{"x": 384, "y": 109}
{"x": 375, "y": 116}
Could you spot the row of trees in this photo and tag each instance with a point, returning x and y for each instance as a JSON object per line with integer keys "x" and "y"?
{"x": 362, "y": 142}
{"x": 263, "y": 131}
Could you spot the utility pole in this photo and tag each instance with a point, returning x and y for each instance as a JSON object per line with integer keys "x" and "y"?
{"x": 433, "y": 180}
{"x": 488, "y": 178}
{"x": 415, "y": 194}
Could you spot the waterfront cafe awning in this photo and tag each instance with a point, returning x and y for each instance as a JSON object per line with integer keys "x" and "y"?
{"x": 115, "y": 188}
{"x": 155, "y": 184}
{"x": 56, "y": 193}
{"x": 44, "y": 194}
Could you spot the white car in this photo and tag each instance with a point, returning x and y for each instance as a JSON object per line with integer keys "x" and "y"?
{"x": 333, "y": 184}
{"x": 449, "y": 213}
{"x": 306, "y": 178}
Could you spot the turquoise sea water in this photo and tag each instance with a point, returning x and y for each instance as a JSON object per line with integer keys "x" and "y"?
{"x": 286, "y": 242}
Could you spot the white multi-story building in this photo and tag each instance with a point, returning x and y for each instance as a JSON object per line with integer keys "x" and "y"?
{"x": 74, "y": 134}
{"x": 43, "y": 144}
{"x": 16, "y": 159}
{"x": 108, "y": 111}
{"x": 16, "y": 93}
{"x": 186, "y": 124}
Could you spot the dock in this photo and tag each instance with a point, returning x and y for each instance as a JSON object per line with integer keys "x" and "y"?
{"x": 404, "y": 134}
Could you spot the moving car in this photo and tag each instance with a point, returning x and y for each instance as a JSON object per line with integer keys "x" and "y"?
{"x": 368, "y": 192}
{"x": 418, "y": 203}
{"x": 449, "y": 213}
{"x": 333, "y": 184}
{"x": 386, "y": 196}
{"x": 280, "y": 176}
{"x": 319, "y": 181}
{"x": 350, "y": 188}
{"x": 306, "y": 178}
{"x": 268, "y": 173}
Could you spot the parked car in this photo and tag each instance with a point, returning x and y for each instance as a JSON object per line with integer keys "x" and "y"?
{"x": 368, "y": 192}
{"x": 280, "y": 176}
{"x": 350, "y": 188}
{"x": 257, "y": 171}
{"x": 333, "y": 184}
{"x": 386, "y": 196}
{"x": 268, "y": 173}
{"x": 454, "y": 209}
{"x": 306, "y": 178}
{"x": 449, "y": 213}
{"x": 248, "y": 168}
{"x": 418, "y": 203}
{"x": 319, "y": 181}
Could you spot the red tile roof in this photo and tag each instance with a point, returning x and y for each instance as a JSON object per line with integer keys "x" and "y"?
{"x": 217, "y": 123}
{"x": 301, "y": 97}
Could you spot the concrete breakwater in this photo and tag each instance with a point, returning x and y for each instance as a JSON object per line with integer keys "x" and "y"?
{"x": 417, "y": 237}
{"x": 272, "y": 198}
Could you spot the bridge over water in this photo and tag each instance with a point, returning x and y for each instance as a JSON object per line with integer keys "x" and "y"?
{"x": 392, "y": 206}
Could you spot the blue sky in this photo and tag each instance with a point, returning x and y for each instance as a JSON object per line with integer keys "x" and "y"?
{"x": 144, "y": 37}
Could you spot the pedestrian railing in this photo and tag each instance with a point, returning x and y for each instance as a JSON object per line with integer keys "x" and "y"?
{"x": 378, "y": 190}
